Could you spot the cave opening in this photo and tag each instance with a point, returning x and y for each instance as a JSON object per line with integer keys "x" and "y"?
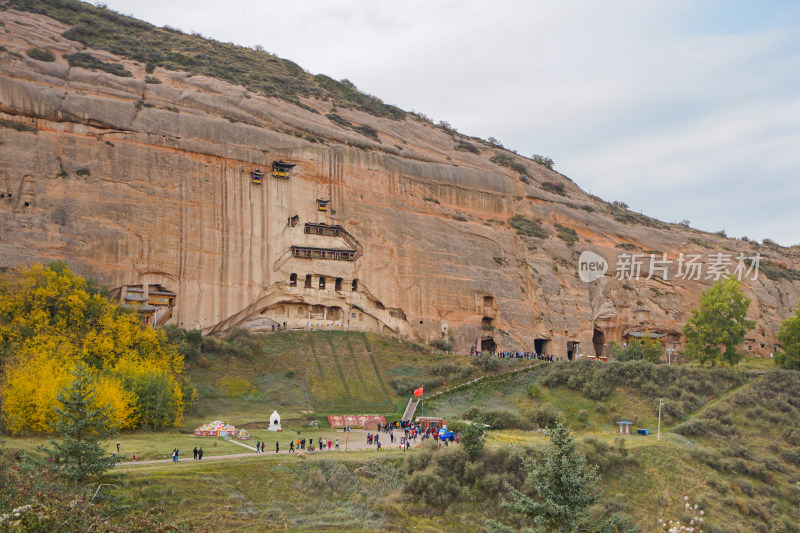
{"x": 488, "y": 345}
{"x": 541, "y": 346}
{"x": 572, "y": 349}
{"x": 599, "y": 342}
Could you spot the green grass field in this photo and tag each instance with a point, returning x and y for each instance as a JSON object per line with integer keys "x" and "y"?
{"x": 308, "y": 375}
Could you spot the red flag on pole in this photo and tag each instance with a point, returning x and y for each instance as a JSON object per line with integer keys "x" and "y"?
{"x": 418, "y": 392}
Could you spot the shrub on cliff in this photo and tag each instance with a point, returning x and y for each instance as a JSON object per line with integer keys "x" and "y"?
{"x": 508, "y": 161}
{"x": 542, "y": 160}
{"x": 41, "y": 55}
{"x": 88, "y": 61}
{"x": 527, "y": 227}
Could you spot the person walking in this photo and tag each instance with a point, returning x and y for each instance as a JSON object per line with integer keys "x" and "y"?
{"x": 262, "y": 446}
{"x": 277, "y": 447}
{"x": 258, "y": 446}
{"x": 329, "y": 444}
{"x": 337, "y": 443}
{"x": 194, "y": 452}
{"x": 291, "y": 446}
{"x": 200, "y": 454}
{"x": 117, "y": 446}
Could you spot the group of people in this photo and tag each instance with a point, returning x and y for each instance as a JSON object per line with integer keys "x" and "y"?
{"x": 524, "y": 355}
{"x": 302, "y": 444}
{"x": 517, "y": 355}
{"x": 411, "y": 430}
{"x": 278, "y": 326}
{"x": 373, "y": 439}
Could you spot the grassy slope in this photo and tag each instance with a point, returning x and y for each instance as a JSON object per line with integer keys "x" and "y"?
{"x": 325, "y": 372}
{"x": 746, "y": 481}
{"x": 741, "y": 461}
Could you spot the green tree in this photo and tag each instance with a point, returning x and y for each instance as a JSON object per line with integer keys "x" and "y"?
{"x": 645, "y": 349}
{"x": 472, "y": 439}
{"x": 616, "y": 351}
{"x": 82, "y": 425}
{"x": 719, "y": 325}
{"x": 652, "y": 349}
{"x": 789, "y": 337}
{"x": 565, "y": 486}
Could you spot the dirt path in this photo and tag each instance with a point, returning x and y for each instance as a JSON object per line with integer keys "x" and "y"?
{"x": 356, "y": 443}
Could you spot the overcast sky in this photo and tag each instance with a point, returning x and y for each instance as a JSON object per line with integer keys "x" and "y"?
{"x": 682, "y": 109}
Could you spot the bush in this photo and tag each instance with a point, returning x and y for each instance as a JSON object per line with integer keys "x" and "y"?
{"x": 405, "y": 385}
{"x": 542, "y": 160}
{"x": 494, "y": 419}
{"x": 486, "y": 362}
{"x": 451, "y": 370}
{"x": 432, "y": 489}
{"x": 464, "y": 146}
{"x": 88, "y": 61}
{"x": 542, "y": 416}
{"x": 555, "y": 188}
{"x": 527, "y": 227}
{"x": 568, "y": 235}
{"x": 19, "y": 126}
{"x": 505, "y": 160}
{"x": 41, "y": 55}
{"x": 443, "y": 343}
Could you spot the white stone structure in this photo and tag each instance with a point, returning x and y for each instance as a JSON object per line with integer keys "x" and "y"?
{"x": 275, "y": 422}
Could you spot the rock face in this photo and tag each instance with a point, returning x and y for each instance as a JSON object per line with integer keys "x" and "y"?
{"x": 136, "y": 183}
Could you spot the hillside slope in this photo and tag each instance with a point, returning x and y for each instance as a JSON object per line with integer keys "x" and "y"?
{"x": 132, "y": 153}
{"x": 307, "y": 375}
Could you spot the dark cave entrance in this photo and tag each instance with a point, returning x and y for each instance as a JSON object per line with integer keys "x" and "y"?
{"x": 599, "y": 342}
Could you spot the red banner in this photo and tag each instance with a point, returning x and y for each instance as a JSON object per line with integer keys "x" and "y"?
{"x": 418, "y": 392}
{"x": 355, "y": 421}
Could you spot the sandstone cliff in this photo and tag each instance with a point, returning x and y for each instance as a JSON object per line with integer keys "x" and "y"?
{"x": 140, "y": 183}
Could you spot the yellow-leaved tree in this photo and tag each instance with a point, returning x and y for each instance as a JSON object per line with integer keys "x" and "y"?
{"x": 50, "y": 320}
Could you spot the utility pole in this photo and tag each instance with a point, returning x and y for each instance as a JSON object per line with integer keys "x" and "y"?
{"x": 660, "y": 403}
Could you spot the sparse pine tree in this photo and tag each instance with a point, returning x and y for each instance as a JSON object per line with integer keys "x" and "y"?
{"x": 719, "y": 323}
{"x": 82, "y": 425}
{"x": 472, "y": 439}
{"x": 565, "y": 486}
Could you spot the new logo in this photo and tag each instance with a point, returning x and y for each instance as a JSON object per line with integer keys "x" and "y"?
{"x": 591, "y": 267}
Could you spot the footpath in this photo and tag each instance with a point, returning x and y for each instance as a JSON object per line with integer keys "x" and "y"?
{"x": 357, "y": 443}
